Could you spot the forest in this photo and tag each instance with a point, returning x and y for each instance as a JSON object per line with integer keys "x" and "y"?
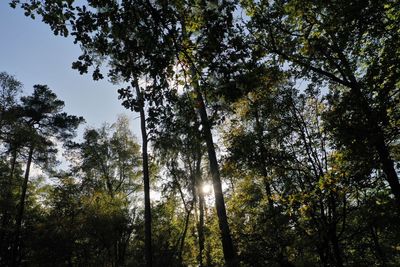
{"x": 270, "y": 136}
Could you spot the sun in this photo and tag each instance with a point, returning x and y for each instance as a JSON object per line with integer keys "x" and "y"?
{"x": 206, "y": 188}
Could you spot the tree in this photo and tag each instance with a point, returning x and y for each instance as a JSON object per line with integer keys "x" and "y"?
{"x": 109, "y": 161}
{"x": 9, "y": 130}
{"x": 334, "y": 43}
{"x": 9, "y": 90}
{"x": 178, "y": 142}
{"x": 109, "y": 158}
{"x": 42, "y": 120}
{"x": 90, "y": 210}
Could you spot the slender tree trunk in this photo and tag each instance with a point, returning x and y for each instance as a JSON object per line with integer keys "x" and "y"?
{"x": 209, "y": 261}
{"x": 146, "y": 180}
{"x": 200, "y": 229}
{"x": 227, "y": 244}
{"x": 198, "y": 201}
{"x": 182, "y": 243}
{"x": 200, "y": 223}
{"x": 20, "y": 213}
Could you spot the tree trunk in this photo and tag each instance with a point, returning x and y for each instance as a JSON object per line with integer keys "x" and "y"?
{"x": 208, "y": 258}
{"x": 20, "y": 213}
{"x": 182, "y": 243}
{"x": 388, "y": 166}
{"x": 377, "y": 139}
{"x": 227, "y": 244}
{"x": 200, "y": 224}
{"x": 200, "y": 230}
{"x": 146, "y": 180}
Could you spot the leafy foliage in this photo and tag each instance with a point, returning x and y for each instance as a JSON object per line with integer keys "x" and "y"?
{"x": 289, "y": 107}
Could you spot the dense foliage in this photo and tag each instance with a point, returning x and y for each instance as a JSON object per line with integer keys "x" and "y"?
{"x": 288, "y": 108}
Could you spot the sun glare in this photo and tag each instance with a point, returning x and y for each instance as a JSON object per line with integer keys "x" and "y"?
{"x": 206, "y": 188}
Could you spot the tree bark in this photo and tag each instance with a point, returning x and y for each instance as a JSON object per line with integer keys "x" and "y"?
{"x": 20, "y": 213}
{"x": 146, "y": 180}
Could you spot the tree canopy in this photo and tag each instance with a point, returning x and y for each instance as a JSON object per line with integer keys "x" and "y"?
{"x": 288, "y": 108}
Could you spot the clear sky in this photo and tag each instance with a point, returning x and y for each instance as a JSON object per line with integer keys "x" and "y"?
{"x": 30, "y": 52}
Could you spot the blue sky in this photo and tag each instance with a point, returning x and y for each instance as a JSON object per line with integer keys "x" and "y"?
{"x": 30, "y": 52}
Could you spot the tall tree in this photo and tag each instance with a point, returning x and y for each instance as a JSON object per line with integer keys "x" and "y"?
{"x": 179, "y": 142}
{"x": 10, "y": 137}
{"x": 42, "y": 117}
{"x": 109, "y": 158}
{"x": 109, "y": 167}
